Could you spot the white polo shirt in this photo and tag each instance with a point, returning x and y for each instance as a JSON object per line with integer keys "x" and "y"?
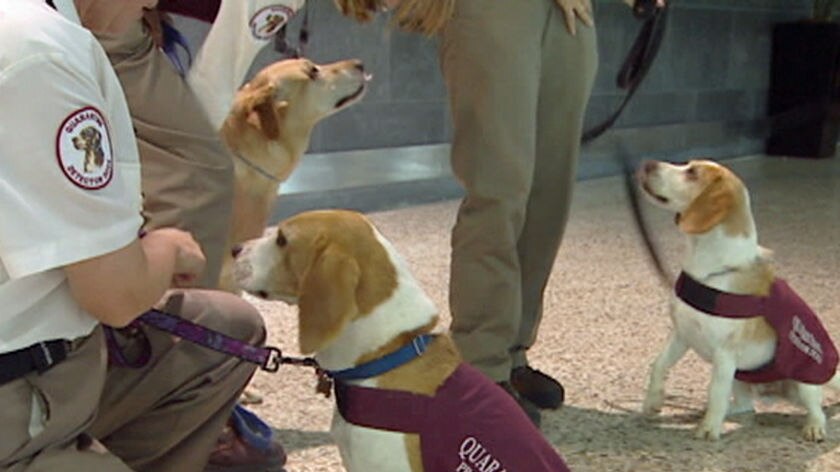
{"x": 69, "y": 168}
{"x": 241, "y": 30}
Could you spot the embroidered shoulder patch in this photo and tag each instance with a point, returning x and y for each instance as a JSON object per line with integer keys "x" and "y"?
{"x": 267, "y": 21}
{"x": 83, "y": 148}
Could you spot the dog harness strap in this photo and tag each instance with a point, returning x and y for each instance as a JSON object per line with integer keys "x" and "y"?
{"x": 390, "y": 410}
{"x": 715, "y": 302}
{"x": 407, "y": 353}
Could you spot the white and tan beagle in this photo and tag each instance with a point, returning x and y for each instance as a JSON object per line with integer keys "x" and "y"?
{"x": 730, "y": 308}
{"x": 359, "y": 309}
{"x": 268, "y": 130}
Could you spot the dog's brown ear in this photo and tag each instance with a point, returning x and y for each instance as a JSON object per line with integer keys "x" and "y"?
{"x": 265, "y": 111}
{"x": 710, "y": 208}
{"x": 327, "y": 298}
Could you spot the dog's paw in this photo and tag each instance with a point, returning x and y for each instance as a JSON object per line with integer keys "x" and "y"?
{"x": 653, "y": 403}
{"x": 814, "y": 431}
{"x": 707, "y": 431}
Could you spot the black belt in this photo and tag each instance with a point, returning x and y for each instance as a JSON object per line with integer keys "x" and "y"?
{"x": 38, "y": 357}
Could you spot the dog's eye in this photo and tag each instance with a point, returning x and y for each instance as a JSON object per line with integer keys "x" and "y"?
{"x": 312, "y": 72}
{"x": 691, "y": 172}
{"x": 281, "y": 239}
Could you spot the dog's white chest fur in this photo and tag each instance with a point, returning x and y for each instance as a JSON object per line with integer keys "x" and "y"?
{"x": 706, "y": 334}
{"x": 365, "y": 449}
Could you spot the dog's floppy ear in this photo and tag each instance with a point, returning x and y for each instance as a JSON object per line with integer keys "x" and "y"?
{"x": 265, "y": 111}
{"x": 711, "y": 207}
{"x": 327, "y": 298}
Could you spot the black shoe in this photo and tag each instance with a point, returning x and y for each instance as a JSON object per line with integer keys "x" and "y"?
{"x": 537, "y": 387}
{"x": 529, "y": 408}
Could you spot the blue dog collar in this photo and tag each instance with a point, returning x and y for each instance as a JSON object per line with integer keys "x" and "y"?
{"x": 401, "y": 356}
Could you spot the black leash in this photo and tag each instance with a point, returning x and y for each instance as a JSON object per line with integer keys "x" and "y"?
{"x": 631, "y": 74}
{"x": 638, "y": 61}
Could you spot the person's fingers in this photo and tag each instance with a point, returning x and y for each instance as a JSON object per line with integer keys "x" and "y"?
{"x": 586, "y": 16}
{"x": 569, "y": 13}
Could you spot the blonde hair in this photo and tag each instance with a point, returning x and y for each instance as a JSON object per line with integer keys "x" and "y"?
{"x": 420, "y": 16}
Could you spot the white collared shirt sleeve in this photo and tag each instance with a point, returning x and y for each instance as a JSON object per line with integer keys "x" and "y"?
{"x": 48, "y": 219}
{"x": 242, "y": 28}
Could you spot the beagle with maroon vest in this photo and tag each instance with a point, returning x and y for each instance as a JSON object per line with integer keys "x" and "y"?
{"x": 729, "y": 306}
{"x": 405, "y": 399}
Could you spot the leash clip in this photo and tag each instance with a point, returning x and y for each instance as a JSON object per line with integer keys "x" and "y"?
{"x": 273, "y": 360}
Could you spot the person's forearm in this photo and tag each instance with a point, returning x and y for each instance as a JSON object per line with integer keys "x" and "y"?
{"x": 117, "y": 287}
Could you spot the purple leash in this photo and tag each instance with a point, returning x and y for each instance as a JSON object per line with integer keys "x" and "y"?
{"x": 269, "y": 358}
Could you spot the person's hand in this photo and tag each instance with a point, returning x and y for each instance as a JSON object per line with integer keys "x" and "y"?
{"x": 189, "y": 259}
{"x": 574, "y": 9}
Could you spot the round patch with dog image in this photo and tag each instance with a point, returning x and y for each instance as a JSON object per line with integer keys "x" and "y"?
{"x": 267, "y": 21}
{"x": 83, "y": 148}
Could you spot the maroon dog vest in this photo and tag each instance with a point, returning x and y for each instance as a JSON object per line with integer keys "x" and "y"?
{"x": 469, "y": 425}
{"x": 804, "y": 351}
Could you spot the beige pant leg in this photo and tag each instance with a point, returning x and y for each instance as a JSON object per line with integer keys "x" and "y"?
{"x": 518, "y": 88}
{"x": 490, "y": 62}
{"x": 187, "y": 171}
{"x": 168, "y": 415}
{"x": 569, "y": 64}
{"x": 43, "y": 416}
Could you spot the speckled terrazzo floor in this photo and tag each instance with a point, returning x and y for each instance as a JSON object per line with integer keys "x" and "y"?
{"x": 605, "y": 321}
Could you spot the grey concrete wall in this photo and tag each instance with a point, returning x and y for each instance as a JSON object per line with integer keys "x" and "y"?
{"x": 713, "y": 68}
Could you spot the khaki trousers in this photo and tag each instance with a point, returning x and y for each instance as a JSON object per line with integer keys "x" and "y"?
{"x": 163, "y": 417}
{"x": 518, "y": 86}
{"x": 187, "y": 171}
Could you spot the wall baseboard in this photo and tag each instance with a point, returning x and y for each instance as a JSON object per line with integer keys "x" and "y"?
{"x": 389, "y": 178}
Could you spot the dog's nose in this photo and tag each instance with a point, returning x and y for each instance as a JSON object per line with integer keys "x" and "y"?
{"x": 236, "y": 250}
{"x": 359, "y": 65}
{"x": 649, "y": 166}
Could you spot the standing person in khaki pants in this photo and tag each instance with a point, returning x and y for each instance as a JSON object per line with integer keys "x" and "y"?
{"x": 71, "y": 261}
{"x": 519, "y": 75}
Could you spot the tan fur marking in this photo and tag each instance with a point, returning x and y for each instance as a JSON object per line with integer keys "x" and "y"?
{"x": 755, "y": 279}
{"x": 349, "y": 276}
{"x": 327, "y": 298}
{"x": 721, "y": 202}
